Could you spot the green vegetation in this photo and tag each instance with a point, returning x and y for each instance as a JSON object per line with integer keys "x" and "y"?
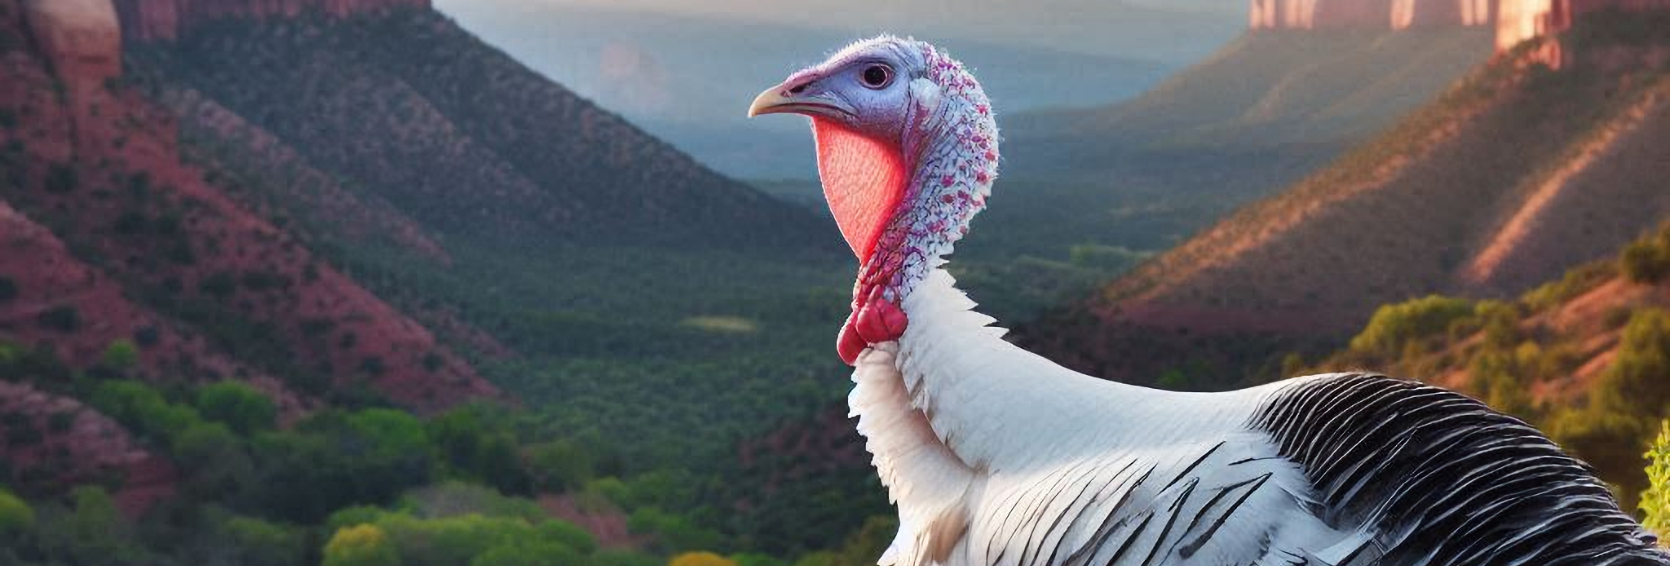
{"x": 366, "y": 486}
{"x": 120, "y": 355}
{"x": 1655, "y": 500}
{"x": 1506, "y": 351}
{"x": 360, "y": 545}
{"x": 1395, "y": 327}
{"x": 62, "y": 318}
{"x": 1648, "y": 260}
{"x": 16, "y": 516}
{"x": 238, "y": 406}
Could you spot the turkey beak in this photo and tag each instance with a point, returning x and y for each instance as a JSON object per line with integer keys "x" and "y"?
{"x": 798, "y": 97}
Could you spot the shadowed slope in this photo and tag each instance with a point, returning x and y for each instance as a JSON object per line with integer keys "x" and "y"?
{"x": 1404, "y": 215}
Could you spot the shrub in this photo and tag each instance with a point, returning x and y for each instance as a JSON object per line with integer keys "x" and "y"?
{"x": 1655, "y": 501}
{"x": 16, "y": 516}
{"x": 675, "y": 532}
{"x": 1500, "y": 322}
{"x": 335, "y": 459}
{"x": 354, "y": 515}
{"x": 629, "y": 558}
{"x": 1395, "y": 325}
{"x": 1645, "y": 262}
{"x": 360, "y": 545}
{"x": 560, "y": 465}
{"x": 120, "y": 354}
{"x": 475, "y": 445}
{"x": 529, "y": 553}
{"x": 263, "y": 543}
{"x": 147, "y": 336}
{"x": 143, "y": 410}
{"x": 238, "y": 405}
{"x": 1636, "y": 383}
{"x": 63, "y": 318}
{"x": 61, "y": 178}
{"x": 8, "y": 289}
{"x": 700, "y": 559}
{"x": 220, "y": 285}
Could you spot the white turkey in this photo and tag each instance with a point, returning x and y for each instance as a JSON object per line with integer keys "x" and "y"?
{"x": 996, "y": 456}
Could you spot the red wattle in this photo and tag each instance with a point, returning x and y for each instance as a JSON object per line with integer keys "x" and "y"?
{"x": 874, "y": 320}
{"x": 863, "y": 180}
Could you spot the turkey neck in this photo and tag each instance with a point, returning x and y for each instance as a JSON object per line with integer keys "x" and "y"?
{"x": 952, "y": 157}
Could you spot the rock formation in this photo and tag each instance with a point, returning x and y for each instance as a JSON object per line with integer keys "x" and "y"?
{"x": 151, "y": 20}
{"x": 1514, "y": 20}
{"x": 79, "y": 38}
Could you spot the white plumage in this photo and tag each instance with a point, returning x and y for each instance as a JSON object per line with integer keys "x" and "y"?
{"x": 998, "y": 457}
{"x": 1025, "y": 462}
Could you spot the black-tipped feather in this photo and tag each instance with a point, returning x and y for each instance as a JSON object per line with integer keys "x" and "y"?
{"x": 1448, "y": 481}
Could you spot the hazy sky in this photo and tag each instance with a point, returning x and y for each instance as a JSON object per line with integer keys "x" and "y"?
{"x": 1154, "y": 29}
{"x": 685, "y": 70}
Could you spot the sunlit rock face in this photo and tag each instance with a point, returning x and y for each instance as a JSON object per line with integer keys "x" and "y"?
{"x": 80, "y": 38}
{"x": 1514, "y": 20}
{"x": 150, "y": 20}
{"x": 1369, "y": 14}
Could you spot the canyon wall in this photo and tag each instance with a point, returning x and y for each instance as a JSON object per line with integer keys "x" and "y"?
{"x": 1368, "y": 14}
{"x": 150, "y": 20}
{"x": 1514, "y": 20}
{"x": 78, "y": 37}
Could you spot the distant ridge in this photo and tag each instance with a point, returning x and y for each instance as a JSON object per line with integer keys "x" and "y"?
{"x": 146, "y": 20}
{"x": 1513, "y": 21}
{"x": 513, "y": 160}
{"x": 1507, "y": 180}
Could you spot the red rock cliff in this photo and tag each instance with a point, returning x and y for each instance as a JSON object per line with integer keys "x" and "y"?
{"x": 149, "y": 20}
{"x": 1368, "y": 14}
{"x": 78, "y": 37}
{"x": 1514, "y": 20}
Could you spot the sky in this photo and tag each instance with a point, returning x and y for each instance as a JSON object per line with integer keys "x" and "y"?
{"x": 685, "y": 70}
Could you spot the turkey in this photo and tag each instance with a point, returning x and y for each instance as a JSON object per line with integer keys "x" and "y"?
{"x": 996, "y": 456}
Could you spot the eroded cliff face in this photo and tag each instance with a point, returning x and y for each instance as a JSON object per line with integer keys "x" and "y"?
{"x": 79, "y": 38}
{"x": 151, "y": 20}
{"x": 1368, "y": 14}
{"x": 1515, "y": 21}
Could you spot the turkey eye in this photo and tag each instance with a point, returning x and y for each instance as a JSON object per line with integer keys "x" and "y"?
{"x": 878, "y": 76}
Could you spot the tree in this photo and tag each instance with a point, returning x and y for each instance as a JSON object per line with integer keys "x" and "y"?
{"x": 629, "y": 558}
{"x": 560, "y": 465}
{"x": 16, "y": 517}
{"x": 120, "y": 354}
{"x": 63, "y": 318}
{"x": 1655, "y": 501}
{"x": 263, "y": 543}
{"x": 1636, "y": 383}
{"x": 700, "y": 559}
{"x": 529, "y": 553}
{"x": 1646, "y": 261}
{"x": 474, "y": 445}
{"x": 1394, "y": 325}
{"x": 360, "y": 545}
{"x": 239, "y": 406}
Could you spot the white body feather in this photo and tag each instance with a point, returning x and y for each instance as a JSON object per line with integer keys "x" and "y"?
{"x": 996, "y": 456}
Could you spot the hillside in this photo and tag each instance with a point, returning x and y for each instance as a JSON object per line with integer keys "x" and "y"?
{"x": 589, "y": 267}
{"x": 1273, "y": 88}
{"x": 148, "y": 252}
{"x": 380, "y": 101}
{"x": 273, "y": 260}
{"x": 1139, "y": 177}
{"x": 1439, "y": 203}
{"x": 1584, "y": 357}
